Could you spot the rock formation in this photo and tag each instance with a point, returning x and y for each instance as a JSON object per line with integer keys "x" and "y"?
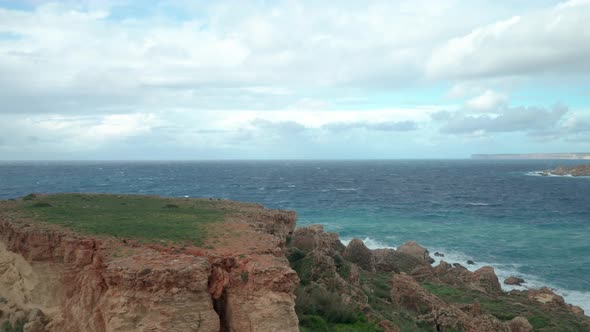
{"x": 414, "y": 249}
{"x": 52, "y": 279}
{"x": 579, "y": 170}
{"x": 514, "y": 281}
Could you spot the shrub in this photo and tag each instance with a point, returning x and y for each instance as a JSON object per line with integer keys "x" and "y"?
{"x": 313, "y": 323}
{"x": 319, "y": 302}
{"x": 539, "y": 322}
{"x": 41, "y": 205}
{"x": 29, "y": 197}
{"x": 295, "y": 254}
{"x": 244, "y": 276}
{"x": 17, "y": 327}
{"x": 171, "y": 206}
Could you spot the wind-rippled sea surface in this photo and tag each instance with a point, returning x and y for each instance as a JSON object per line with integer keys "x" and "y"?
{"x": 493, "y": 212}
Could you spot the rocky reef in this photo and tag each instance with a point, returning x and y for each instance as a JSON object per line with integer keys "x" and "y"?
{"x": 350, "y": 288}
{"x": 579, "y": 170}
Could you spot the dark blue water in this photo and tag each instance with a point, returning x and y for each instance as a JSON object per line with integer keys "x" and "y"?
{"x": 492, "y": 212}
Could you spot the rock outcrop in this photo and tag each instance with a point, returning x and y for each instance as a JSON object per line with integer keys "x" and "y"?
{"x": 52, "y": 279}
{"x": 514, "y": 281}
{"x": 579, "y": 170}
{"x": 356, "y": 252}
{"x": 414, "y": 249}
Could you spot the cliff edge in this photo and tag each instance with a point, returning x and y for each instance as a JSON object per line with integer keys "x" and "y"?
{"x": 183, "y": 265}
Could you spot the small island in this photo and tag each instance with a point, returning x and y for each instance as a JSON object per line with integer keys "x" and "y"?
{"x": 578, "y": 170}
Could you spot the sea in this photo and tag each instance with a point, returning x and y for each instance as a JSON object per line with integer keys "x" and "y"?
{"x": 501, "y": 213}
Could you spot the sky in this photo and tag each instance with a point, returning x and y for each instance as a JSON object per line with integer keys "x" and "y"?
{"x": 179, "y": 79}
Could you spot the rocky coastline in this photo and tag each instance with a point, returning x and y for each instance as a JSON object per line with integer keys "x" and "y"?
{"x": 400, "y": 290}
{"x": 579, "y": 170}
{"x": 254, "y": 272}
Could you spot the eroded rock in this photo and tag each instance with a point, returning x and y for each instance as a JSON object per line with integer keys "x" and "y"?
{"x": 414, "y": 249}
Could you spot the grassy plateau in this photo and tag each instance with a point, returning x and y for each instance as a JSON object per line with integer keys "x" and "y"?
{"x": 145, "y": 218}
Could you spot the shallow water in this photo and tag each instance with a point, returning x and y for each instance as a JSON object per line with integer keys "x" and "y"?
{"x": 493, "y": 212}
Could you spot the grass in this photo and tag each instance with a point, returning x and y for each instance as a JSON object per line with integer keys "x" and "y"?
{"x": 145, "y": 218}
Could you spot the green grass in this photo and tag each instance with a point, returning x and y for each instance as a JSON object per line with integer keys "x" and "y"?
{"x": 144, "y": 218}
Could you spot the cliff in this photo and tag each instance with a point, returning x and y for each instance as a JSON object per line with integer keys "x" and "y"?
{"x": 533, "y": 156}
{"x": 74, "y": 262}
{"x": 55, "y": 279}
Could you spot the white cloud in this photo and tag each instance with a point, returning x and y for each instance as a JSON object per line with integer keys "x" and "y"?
{"x": 489, "y": 101}
{"x": 546, "y": 41}
{"x": 81, "y": 76}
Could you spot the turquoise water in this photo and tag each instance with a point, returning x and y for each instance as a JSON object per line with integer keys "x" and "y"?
{"x": 493, "y": 212}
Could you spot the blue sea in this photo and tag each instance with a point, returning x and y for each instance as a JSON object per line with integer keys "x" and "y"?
{"x": 497, "y": 213}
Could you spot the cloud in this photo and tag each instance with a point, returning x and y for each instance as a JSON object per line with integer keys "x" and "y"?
{"x": 488, "y": 101}
{"x": 79, "y": 78}
{"x": 378, "y": 126}
{"x": 547, "y": 41}
{"x": 511, "y": 119}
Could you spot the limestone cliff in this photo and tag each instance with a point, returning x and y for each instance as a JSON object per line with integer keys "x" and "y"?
{"x": 53, "y": 279}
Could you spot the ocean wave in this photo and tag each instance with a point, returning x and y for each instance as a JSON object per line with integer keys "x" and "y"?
{"x": 370, "y": 243}
{"x": 551, "y": 175}
{"x": 480, "y": 204}
{"x": 346, "y": 189}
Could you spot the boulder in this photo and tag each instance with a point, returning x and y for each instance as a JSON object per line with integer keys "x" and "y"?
{"x": 414, "y": 249}
{"x": 546, "y": 296}
{"x": 470, "y": 262}
{"x": 356, "y": 252}
{"x": 388, "y": 326}
{"x": 314, "y": 237}
{"x": 389, "y": 260}
{"x": 34, "y": 326}
{"x": 438, "y": 254}
{"x": 487, "y": 279}
{"x": 520, "y": 324}
{"x": 514, "y": 281}
{"x": 577, "y": 310}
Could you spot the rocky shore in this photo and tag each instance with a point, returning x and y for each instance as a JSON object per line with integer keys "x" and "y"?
{"x": 579, "y": 170}
{"x": 399, "y": 290}
{"x": 253, "y": 271}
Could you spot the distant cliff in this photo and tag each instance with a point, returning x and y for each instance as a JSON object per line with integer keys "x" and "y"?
{"x": 533, "y": 156}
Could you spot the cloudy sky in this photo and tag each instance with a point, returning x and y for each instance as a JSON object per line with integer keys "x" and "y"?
{"x": 179, "y": 79}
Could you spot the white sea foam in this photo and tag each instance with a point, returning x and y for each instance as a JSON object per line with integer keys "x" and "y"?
{"x": 478, "y": 204}
{"x": 551, "y": 175}
{"x": 370, "y": 243}
{"x": 346, "y": 189}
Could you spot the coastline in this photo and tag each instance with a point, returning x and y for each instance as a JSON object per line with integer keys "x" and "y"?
{"x": 503, "y": 271}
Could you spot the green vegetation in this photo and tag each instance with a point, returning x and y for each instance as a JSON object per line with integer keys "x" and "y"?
{"x": 7, "y": 327}
{"x": 244, "y": 276}
{"x": 508, "y": 306}
{"x": 145, "y": 218}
